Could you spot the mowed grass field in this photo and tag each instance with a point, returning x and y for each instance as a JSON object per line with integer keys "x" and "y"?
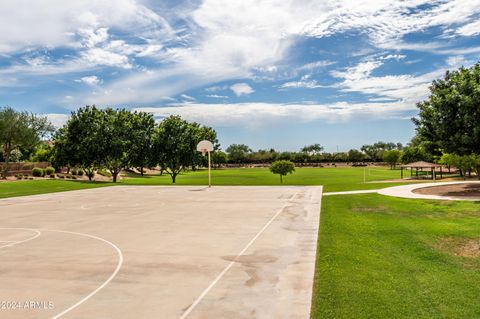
{"x": 382, "y": 257}
{"x": 34, "y": 187}
{"x": 333, "y": 179}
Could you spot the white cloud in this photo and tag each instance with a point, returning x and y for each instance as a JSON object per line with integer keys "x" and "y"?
{"x": 408, "y": 88}
{"x": 216, "y": 41}
{"x": 89, "y": 80}
{"x": 241, "y": 89}
{"x": 470, "y": 29}
{"x": 104, "y": 57}
{"x": 58, "y": 23}
{"x": 58, "y": 120}
{"x": 254, "y": 115}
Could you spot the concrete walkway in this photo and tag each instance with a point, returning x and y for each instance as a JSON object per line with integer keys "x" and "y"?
{"x": 406, "y": 191}
{"x": 364, "y": 191}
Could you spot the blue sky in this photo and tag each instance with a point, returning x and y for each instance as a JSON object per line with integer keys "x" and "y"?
{"x": 276, "y": 73}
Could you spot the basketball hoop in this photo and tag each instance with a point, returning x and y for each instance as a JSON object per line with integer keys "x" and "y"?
{"x": 206, "y": 147}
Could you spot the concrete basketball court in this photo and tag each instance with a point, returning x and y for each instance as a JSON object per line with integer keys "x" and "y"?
{"x": 159, "y": 252}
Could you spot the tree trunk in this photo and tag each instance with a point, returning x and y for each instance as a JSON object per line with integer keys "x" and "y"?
{"x": 141, "y": 171}
{"x": 114, "y": 176}
{"x": 174, "y": 177}
{"x": 281, "y": 179}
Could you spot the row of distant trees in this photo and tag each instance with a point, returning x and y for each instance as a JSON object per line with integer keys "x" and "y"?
{"x": 392, "y": 153}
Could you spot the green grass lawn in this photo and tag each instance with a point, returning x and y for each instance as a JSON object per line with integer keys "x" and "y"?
{"x": 382, "y": 257}
{"x": 333, "y": 179}
{"x": 28, "y": 187}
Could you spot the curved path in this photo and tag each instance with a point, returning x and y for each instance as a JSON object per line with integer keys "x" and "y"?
{"x": 406, "y": 191}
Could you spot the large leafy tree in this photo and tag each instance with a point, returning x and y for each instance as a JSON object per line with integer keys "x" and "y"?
{"x": 175, "y": 143}
{"x": 80, "y": 142}
{"x": 449, "y": 119}
{"x": 117, "y": 135}
{"x": 140, "y": 153}
{"x": 20, "y": 130}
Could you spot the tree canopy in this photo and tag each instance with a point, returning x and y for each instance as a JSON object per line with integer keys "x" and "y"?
{"x": 237, "y": 153}
{"x": 20, "y": 129}
{"x": 282, "y": 168}
{"x": 449, "y": 120}
{"x": 176, "y": 141}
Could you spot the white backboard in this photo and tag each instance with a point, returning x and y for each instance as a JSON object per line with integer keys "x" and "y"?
{"x": 205, "y": 146}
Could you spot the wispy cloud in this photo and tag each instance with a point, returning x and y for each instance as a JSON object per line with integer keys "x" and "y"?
{"x": 305, "y": 82}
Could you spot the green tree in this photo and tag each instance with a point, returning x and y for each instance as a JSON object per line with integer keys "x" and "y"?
{"x": 285, "y": 156}
{"x": 175, "y": 142}
{"x": 237, "y": 153}
{"x": 448, "y": 160}
{"x": 312, "y": 149}
{"x": 392, "y": 157}
{"x": 81, "y": 141}
{"x": 118, "y": 136}
{"x": 412, "y": 154}
{"x": 355, "y": 156}
{"x": 140, "y": 154}
{"x": 282, "y": 167}
{"x": 450, "y": 118}
{"x": 219, "y": 158}
{"x": 376, "y": 150}
{"x": 20, "y": 129}
{"x": 42, "y": 154}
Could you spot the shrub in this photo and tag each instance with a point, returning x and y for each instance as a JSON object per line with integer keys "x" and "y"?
{"x": 74, "y": 177}
{"x": 25, "y": 176}
{"x": 61, "y": 176}
{"x": 80, "y": 172}
{"x": 49, "y": 170}
{"x": 68, "y": 176}
{"x": 19, "y": 176}
{"x": 104, "y": 172}
{"x": 73, "y": 171}
{"x": 52, "y": 175}
{"x": 38, "y": 172}
{"x": 30, "y": 178}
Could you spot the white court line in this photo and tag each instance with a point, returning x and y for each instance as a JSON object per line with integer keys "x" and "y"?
{"x": 217, "y": 279}
{"x": 105, "y": 283}
{"x": 13, "y": 243}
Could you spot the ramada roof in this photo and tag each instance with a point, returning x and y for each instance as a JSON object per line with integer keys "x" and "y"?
{"x": 421, "y": 164}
